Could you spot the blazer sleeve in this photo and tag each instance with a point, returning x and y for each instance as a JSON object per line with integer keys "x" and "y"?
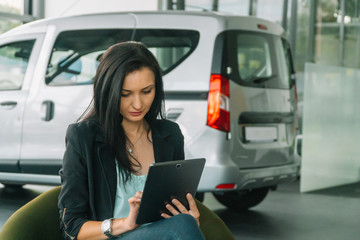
{"x": 73, "y": 201}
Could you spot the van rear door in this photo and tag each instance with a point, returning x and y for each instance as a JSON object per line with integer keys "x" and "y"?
{"x": 262, "y": 99}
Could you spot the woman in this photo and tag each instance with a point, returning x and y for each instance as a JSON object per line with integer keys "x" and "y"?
{"x": 108, "y": 154}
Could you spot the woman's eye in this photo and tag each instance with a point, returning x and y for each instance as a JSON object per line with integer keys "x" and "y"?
{"x": 125, "y": 94}
{"x": 147, "y": 92}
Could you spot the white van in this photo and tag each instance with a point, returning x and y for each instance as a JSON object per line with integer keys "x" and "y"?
{"x": 229, "y": 83}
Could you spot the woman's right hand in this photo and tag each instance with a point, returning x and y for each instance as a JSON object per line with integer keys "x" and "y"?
{"x": 134, "y": 204}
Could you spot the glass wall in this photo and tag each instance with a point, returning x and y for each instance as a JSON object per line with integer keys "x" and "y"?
{"x": 12, "y": 6}
{"x": 327, "y": 36}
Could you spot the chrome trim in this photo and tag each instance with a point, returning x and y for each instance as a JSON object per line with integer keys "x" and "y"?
{"x": 29, "y": 178}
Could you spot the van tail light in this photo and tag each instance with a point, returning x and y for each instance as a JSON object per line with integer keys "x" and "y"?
{"x": 226, "y": 186}
{"x": 218, "y": 115}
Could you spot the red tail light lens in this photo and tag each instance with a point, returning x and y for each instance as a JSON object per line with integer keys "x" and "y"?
{"x": 218, "y": 116}
{"x": 226, "y": 186}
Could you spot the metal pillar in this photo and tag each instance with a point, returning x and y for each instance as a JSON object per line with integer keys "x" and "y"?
{"x": 215, "y": 5}
{"x": 252, "y": 7}
{"x": 180, "y": 4}
{"x": 310, "y": 55}
{"x": 293, "y": 26}
{"x": 284, "y": 15}
{"x": 35, "y": 8}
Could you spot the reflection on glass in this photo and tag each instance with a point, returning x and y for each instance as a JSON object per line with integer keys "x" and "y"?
{"x": 198, "y": 5}
{"x": 239, "y": 7}
{"x": 14, "y": 58}
{"x": 352, "y": 47}
{"x": 327, "y": 45}
{"x": 12, "y": 6}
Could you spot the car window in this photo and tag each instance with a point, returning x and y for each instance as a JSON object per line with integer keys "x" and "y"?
{"x": 75, "y": 54}
{"x": 14, "y": 59}
{"x": 259, "y": 59}
{"x": 253, "y": 57}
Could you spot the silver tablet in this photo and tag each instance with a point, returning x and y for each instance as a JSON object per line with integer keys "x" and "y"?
{"x": 166, "y": 181}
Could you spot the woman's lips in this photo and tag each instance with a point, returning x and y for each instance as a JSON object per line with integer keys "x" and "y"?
{"x": 135, "y": 114}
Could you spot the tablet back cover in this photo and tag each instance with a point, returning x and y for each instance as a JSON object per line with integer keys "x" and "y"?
{"x": 166, "y": 181}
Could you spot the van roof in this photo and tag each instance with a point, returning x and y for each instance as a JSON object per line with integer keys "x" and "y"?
{"x": 229, "y": 21}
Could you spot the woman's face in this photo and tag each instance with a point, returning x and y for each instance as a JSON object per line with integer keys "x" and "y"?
{"x": 137, "y": 94}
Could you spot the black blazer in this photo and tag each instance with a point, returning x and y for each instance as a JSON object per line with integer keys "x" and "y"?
{"x": 88, "y": 174}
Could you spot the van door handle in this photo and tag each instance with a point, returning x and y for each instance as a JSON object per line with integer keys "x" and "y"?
{"x": 47, "y": 109}
{"x": 174, "y": 113}
{"x": 8, "y": 105}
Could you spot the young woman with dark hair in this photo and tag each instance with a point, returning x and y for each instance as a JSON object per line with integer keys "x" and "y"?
{"x": 110, "y": 149}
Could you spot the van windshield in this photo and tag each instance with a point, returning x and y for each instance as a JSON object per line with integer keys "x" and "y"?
{"x": 260, "y": 60}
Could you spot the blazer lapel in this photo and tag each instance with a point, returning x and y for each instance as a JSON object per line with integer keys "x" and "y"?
{"x": 163, "y": 151}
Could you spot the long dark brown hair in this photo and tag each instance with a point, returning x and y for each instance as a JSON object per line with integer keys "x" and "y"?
{"x": 115, "y": 64}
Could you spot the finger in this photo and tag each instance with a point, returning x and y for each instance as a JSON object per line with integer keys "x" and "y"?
{"x": 133, "y": 201}
{"x": 139, "y": 194}
{"x": 192, "y": 203}
{"x": 179, "y": 206}
{"x": 164, "y": 215}
{"x": 172, "y": 210}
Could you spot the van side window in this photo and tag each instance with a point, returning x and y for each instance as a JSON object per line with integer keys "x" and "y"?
{"x": 14, "y": 59}
{"x": 75, "y": 55}
{"x": 170, "y": 47}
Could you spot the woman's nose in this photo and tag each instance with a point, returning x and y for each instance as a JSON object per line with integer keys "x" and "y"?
{"x": 137, "y": 103}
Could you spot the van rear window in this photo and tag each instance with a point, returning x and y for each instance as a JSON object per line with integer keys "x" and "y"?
{"x": 259, "y": 60}
{"x": 75, "y": 54}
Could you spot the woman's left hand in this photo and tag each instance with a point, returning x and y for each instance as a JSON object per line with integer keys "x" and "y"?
{"x": 182, "y": 209}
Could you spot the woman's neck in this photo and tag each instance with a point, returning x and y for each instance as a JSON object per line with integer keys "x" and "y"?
{"x": 133, "y": 129}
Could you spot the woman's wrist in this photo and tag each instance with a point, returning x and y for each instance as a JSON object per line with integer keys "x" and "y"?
{"x": 120, "y": 226}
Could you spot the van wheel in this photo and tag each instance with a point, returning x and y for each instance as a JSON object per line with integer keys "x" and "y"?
{"x": 242, "y": 200}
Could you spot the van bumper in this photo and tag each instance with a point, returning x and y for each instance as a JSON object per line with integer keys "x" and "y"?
{"x": 246, "y": 178}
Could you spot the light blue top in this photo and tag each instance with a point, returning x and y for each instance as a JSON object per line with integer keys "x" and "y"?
{"x": 124, "y": 192}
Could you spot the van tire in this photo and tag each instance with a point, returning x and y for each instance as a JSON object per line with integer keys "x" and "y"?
{"x": 242, "y": 200}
